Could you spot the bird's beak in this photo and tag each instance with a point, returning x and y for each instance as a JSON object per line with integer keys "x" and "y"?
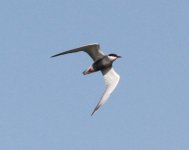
{"x": 119, "y": 57}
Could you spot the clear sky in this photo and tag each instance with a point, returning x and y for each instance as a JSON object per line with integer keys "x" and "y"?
{"x": 45, "y": 103}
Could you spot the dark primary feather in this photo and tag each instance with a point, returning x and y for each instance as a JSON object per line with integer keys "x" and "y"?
{"x": 93, "y": 51}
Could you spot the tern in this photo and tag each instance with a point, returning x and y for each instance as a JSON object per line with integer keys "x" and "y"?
{"x": 101, "y": 63}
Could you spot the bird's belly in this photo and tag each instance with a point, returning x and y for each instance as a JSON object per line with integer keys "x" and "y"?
{"x": 101, "y": 64}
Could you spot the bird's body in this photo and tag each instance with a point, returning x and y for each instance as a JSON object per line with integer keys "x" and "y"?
{"x": 101, "y": 63}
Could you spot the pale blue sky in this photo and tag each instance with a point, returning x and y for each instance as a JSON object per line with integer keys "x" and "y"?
{"x": 45, "y": 104}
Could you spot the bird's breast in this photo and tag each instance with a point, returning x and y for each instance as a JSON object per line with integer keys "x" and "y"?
{"x": 103, "y": 63}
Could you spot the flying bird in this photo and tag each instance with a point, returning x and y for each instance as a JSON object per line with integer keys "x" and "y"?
{"x": 101, "y": 63}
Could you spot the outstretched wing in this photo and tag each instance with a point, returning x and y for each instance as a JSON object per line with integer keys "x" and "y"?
{"x": 111, "y": 80}
{"x": 93, "y": 51}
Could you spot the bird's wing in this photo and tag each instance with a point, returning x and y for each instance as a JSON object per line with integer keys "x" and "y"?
{"x": 111, "y": 80}
{"x": 93, "y": 51}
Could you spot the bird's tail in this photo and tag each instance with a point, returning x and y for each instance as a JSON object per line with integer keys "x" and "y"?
{"x": 85, "y": 72}
{"x": 88, "y": 70}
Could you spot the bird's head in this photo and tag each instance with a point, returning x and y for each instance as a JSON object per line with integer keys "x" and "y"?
{"x": 113, "y": 57}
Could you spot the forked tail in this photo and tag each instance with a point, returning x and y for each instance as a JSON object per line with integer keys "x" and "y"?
{"x": 88, "y": 70}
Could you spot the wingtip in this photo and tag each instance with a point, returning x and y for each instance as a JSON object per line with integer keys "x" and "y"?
{"x": 96, "y": 108}
{"x": 93, "y": 112}
{"x": 54, "y": 55}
